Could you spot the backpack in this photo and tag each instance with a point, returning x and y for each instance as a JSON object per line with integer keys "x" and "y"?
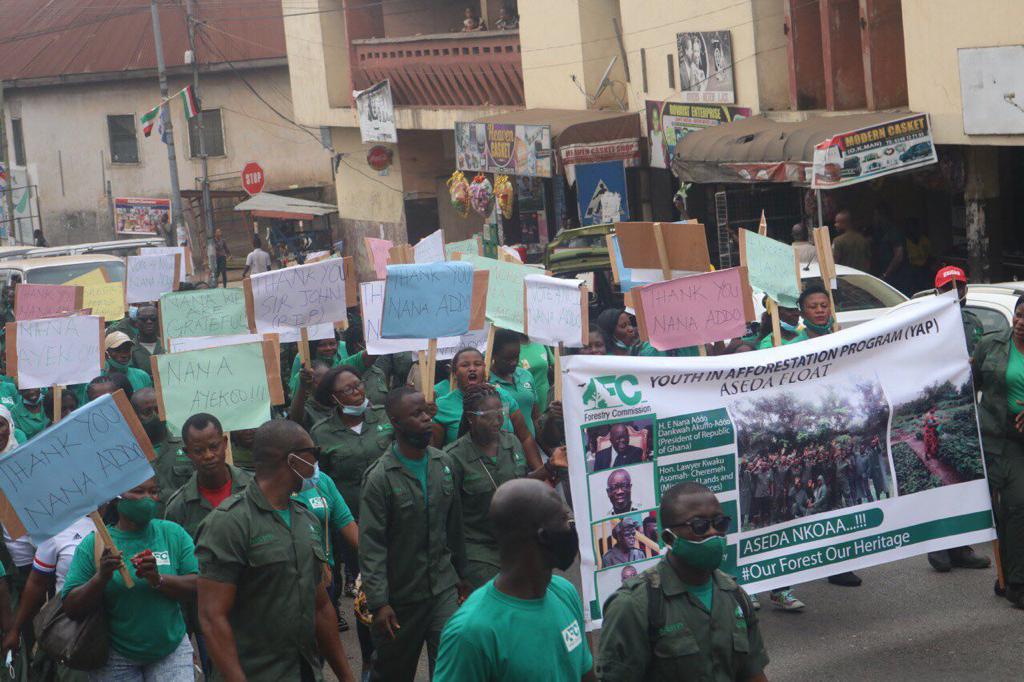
{"x": 656, "y": 605}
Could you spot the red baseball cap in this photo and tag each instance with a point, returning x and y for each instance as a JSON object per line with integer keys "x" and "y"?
{"x": 948, "y": 274}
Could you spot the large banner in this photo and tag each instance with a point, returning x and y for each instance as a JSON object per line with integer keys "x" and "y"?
{"x": 504, "y": 148}
{"x": 829, "y": 455}
{"x": 868, "y": 153}
{"x": 669, "y": 122}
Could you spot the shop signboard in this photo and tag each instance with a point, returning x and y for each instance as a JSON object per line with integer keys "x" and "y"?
{"x": 507, "y": 148}
{"x": 669, "y": 122}
{"x": 869, "y": 153}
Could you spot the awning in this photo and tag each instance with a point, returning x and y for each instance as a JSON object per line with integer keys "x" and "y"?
{"x": 587, "y": 136}
{"x": 267, "y": 205}
{"x": 759, "y": 149}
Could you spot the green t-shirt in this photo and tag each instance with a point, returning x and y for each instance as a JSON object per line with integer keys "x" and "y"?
{"x": 500, "y": 638}
{"x": 286, "y": 516}
{"x": 537, "y": 359}
{"x": 646, "y": 350}
{"x": 442, "y": 388}
{"x": 449, "y": 413}
{"x": 524, "y": 391}
{"x": 30, "y": 423}
{"x": 144, "y": 624}
{"x": 136, "y": 377}
{"x": 417, "y": 467}
{"x": 329, "y": 507}
{"x": 703, "y": 593}
{"x": 9, "y": 396}
{"x": 1014, "y": 380}
{"x": 766, "y": 342}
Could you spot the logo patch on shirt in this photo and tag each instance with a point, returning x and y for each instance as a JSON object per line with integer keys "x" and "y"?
{"x": 741, "y": 621}
{"x": 162, "y": 558}
{"x": 571, "y": 636}
{"x": 261, "y": 540}
{"x": 318, "y": 503}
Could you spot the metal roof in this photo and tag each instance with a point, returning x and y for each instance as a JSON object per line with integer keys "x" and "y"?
{"x": 266, "y": 202}
{"x": 48, "y": 38}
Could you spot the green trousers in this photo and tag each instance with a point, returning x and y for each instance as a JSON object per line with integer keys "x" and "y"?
{"x": 395, "y": 660}
{"x": 1006, "y": 480}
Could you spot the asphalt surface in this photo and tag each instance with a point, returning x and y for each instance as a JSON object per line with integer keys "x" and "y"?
{"x": 905, "y": 623}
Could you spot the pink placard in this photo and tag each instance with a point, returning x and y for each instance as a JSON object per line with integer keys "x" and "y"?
{"x": 689, "y": 311}
{"x": 35, "y": 301}
{"x": 378, "y": 251}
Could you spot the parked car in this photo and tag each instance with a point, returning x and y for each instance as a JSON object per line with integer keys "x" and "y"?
{"x": 991, "y": 303}
{"x": 851, "y": 167}
{"x": 59, "y": 269}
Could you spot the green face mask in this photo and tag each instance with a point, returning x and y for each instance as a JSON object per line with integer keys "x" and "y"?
{"x": 116, "y": 365}
{"x": 140, "y": 511}
{"x": 708, "y": 553}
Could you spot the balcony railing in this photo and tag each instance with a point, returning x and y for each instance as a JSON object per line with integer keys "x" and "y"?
{"x": 444, "y": 70}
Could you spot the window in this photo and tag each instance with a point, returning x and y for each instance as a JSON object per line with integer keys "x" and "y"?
{"x": 860, "y": 292}
{"x": 991, "y": 320}
{"x": 124, "y": 146}
{"x": 213, "y": 131}
{"x": 19, "y": 142}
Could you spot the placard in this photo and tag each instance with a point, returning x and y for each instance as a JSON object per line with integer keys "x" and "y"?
{"x": 311, "y": 296}
{"x": 430, "y": 249}
{"x": 186, "y": 268}
{"x": 556, "y": 311}
{"x": 33, "y": 301}
{"x": 504, "y": 290}
{"x": 427, "y": 301}
{"x": 55, "y": 350}
{"x": 86, "y": 459}
{"x": 236, "y": 384}
{"x": 203, "y": 312}
{"x": 771, "y": 267}
{"x": 377, "y": 251}
{"x": 685, "y": 245}
{"x": 100, "y": 296}
{"x": 471, "y": 246}
{"x": 149, "y": 277}
{"x": 184, "y": 344}
{"x": 693, "y": 310}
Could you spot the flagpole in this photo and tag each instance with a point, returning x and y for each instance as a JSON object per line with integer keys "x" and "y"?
{"x": 178, "y": 218}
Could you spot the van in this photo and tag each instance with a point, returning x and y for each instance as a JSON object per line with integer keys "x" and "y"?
{"x": 59, "y": 269}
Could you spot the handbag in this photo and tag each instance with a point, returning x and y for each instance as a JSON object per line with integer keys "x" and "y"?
{"x": 77, "y": 644}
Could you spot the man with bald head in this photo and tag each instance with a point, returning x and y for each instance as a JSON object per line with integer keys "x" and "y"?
{"x": 684, "y": 606}
{"x": 263, "y": 604}
{"x": 620, "y": 447}
{"x": 620, "y": 493}
{"x": 524, "y": 624}
{"x": 172, "y": 466}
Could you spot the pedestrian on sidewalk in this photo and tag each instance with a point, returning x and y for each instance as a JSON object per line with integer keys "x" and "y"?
{"x": 222, "y": 252}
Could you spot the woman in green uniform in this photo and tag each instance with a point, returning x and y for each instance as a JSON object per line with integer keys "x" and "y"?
{"x": 304, "y": 408}
{"x": 468, "y": 370}
{"x": 506, "y": 372}
{"x": 619, "y": 329}
{"x": 482, "y": 459}
{"x": 334, "y": 353}
{"x": 816, "y": 309}
{"x": 998, "y": 366}
{"x": 789, "y": 328}
{"x": 538, "y": 360}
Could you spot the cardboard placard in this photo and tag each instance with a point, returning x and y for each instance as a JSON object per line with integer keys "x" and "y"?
{"x": 505, "y": 290}
{"x": 430, "y": 249}
{"x": 313, "y": 296}
{"x": 203, "y": 312}
{"x": 185, "y": 267}
{"x": 769, "y": 264}
{"x": 56, "y": 350}
{"x": 556, "y": 311}
{"x": 473, "y": 246}
{"x": 147, "y": 278}
{"x": 686, "y": 246}
{"x": 377, "y": 251}
{"x": 34, "y": 301}
{"x": 427, "y": 301}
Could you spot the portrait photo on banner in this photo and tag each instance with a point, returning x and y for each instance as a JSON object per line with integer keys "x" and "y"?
{"x": 618, "y": 444}
{"x": 622, "y": 490}
{"x": 623, "y": 540}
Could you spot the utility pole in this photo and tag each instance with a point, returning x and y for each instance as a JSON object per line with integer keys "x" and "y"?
{"x": 165, "y": 119}
{"x": 211, "y": 254}
{"x": 8, "y": 168}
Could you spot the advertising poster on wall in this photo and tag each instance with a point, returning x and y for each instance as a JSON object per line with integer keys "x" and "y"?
{"x": 869, "y": 153}
{"x": 826, "y": 455}
{"x": 669, "y": 122}
{"x": 376, "y": 113}
{"x": 705, "y": 67}
{"x": 133, "y": 215}
{"x": 504, "y": 148}
{"x": 601, "y": 193}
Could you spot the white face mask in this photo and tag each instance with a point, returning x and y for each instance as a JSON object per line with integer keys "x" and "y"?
{"x": 307, "y": 483}
{"x": 353, "y": 410}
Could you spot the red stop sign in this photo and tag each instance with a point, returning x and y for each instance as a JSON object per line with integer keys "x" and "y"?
{"x": 253, "y": 178}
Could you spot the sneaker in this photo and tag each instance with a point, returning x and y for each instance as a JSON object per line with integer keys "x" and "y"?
{"x": 755, "y": 602}
{"x": 343, "y": 625}
{"x": 964, "y": 557}
{"x": 848, "y": 579}
{"x": 940, "y": 561}
{"x": 350, "y": 588}
{"x": 786, "y": 600}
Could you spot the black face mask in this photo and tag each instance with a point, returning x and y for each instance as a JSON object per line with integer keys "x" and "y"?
{"x": 417, "y": 439}
{"x": 560, "y": 544}
{"x": 155, "y": 429}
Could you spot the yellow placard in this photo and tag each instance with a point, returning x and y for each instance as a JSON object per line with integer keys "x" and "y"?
{"x": 92, "y": 277}
{"x": 105, "y": 299}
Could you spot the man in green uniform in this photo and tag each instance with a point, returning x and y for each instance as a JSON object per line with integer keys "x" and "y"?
{"x": 214, "y": 480}
{"x": 411, "y": 548}
{"x": 172, "y": 466}
{"x": 263, "y": 607}
{"x": 683, "y": 619}
{"x": 851, "y": 248}
{"x": 148, "y": 342}
{"x": 946, "y": 279}
{"x": 119, "y": 354}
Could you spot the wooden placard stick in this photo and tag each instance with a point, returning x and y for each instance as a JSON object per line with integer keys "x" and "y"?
{"x": 558, "y": 371}
{"x": 304, "y": 348}
{"x": 103, "y": 533}
{"x": 659, "y": 243}
{"x": 773, "y": 310}
{"x": 431, "y": 370}
{"x": 229, "y": 456}
{"x": 57, "y": 400}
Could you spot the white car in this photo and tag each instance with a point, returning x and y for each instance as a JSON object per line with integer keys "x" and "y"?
{"x": 859, "y": 296}
{"x": 991, "y": 303}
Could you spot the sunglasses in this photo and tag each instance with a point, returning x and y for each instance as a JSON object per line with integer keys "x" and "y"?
{"x": 701, "y": 525}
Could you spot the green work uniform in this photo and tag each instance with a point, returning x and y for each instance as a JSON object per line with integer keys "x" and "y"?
{"x": 692, "y": 643}
{"x": 537, "y": 359}
{"x": 30, "y": 423}
{"x": 766, "y": 342}
{"x": 1003, "y": 448}
{"x": 125, "y": 325}
{"x": 242, "y": 457}
{"x": 375, "y": 383}
{"x": 329, "y": 508}
{"x": 141, "y": 355}
{"x": 136, "y": 377}
{"x": 276, "y": 569}
{"x": 477, "y": 476}
{"x": 187, "y": 507}
{"x": 356, "y": 360}
{"x": 387, "y": 372}
{"x": 313, "y": 412}
{"x": 345, "y": 454}
{"x": 9, "y": 396}
{"x": 853, "y": 250}
{"x": 973, "y": 329}
{"x": 522, "y": 388}
{"x": 500, "y": 638}
{"x": 144, "y": 624}
{"x": 411, "y": 556}
{"x": 449, "y": 413}
{"x": 646, "y": 350}
{"x": 172, "y": 466}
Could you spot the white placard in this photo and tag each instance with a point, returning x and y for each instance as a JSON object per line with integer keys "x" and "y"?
{"x": 188, "y": 343}
{"x": 311, "y": 296}
{"x": 148, "y": 277}
{"x": 554, "y": 310}
{"x": 430, "y": 249}
{"x": 186, "y": 257}
{"x": 55, "y": 350}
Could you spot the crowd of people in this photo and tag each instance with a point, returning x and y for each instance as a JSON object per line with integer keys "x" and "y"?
{"x": 443, "y": 520}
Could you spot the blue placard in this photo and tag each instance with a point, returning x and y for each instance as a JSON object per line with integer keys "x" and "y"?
{"x": 427, "y": 300}
{"x": 64, "y": 473}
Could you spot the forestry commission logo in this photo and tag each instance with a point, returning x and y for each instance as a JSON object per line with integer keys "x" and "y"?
{"x": 572, "y": 636}
{"x": 612, "y": 391}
